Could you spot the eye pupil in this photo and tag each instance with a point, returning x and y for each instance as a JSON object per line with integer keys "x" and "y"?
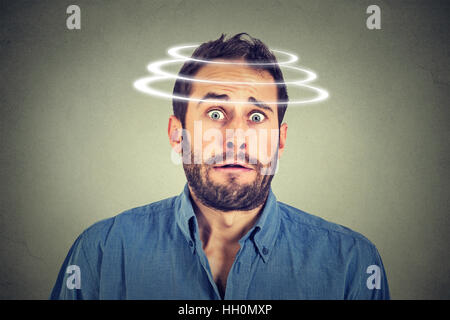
{"x": 256, "y": 117}
{"x": 215, "y": 115}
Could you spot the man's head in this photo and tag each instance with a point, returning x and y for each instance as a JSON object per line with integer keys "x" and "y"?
{"x": 230, "y": 150}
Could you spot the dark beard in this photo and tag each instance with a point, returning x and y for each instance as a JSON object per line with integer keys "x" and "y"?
{"x": 232, "y": 195}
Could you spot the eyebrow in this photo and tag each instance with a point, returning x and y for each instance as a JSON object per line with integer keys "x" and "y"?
{"x": 260, "y": 104}
{"x": 215, "y": 96}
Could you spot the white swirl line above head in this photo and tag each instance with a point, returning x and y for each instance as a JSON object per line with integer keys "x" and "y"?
{"x": 145, "y": 84}
{"x": 155, "y": 67}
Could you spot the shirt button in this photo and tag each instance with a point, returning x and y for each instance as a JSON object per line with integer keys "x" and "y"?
{"x": 265, "y": 251}
{"x": 191, "y": 244}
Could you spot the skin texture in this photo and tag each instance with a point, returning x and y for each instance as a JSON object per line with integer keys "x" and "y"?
{"x": 228, "y": 201}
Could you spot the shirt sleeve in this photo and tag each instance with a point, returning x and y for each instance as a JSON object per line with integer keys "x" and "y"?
{"x": 78, "y": 278}
{"x": 366, "y": 274}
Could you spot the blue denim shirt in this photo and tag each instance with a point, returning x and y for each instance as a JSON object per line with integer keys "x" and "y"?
{"x": 154, "y": 252}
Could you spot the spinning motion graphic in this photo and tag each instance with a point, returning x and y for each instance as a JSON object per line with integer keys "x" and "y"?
{"x": 145, "y": 84}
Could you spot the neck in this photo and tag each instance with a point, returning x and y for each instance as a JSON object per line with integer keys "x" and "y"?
{"x": 227, "y": 227}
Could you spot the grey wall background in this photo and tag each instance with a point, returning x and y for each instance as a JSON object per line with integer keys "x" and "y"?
{"x": 79, "y": 144}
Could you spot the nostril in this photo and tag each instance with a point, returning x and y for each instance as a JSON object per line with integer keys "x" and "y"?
{"x": 229, "y": 144}
{"x": 242, "y": 146}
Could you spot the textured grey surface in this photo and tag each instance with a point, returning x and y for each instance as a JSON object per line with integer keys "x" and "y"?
{"x": 79, "y": 144}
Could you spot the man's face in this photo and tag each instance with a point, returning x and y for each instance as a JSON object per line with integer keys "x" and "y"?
{"x": 230, "y": 150}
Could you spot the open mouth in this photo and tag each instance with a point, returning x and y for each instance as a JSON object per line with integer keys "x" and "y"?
{"x": 232, "y": 167}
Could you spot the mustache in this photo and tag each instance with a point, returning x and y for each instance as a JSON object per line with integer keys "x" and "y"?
{"x": 230, "y": 155}
{"x": 190, "y": 159}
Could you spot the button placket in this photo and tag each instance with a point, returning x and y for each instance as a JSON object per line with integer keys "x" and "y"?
{"x": 239, "y": 276}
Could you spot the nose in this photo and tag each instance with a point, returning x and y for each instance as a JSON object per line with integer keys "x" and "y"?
{"x": 236, "y": 142}
{"x": 235, "y": 139}
{"x": 230, "y": 145}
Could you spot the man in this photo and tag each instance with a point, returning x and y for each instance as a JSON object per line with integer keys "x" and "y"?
{"x": 225, "y": 236}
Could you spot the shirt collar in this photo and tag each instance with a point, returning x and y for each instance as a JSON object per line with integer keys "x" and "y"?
{"x": 263, "y": 233}
{"x": 267, "y": 227}
{"x": 184, "y": 213}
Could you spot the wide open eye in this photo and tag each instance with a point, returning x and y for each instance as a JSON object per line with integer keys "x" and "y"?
{"x": 216, "y": 114}
{"x": 257, "y": 117}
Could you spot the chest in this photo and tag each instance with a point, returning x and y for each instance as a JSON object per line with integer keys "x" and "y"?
{"x": 221, "y": 258}
{"x": 167, "y": 273}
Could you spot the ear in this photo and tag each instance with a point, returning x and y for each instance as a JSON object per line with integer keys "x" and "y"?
{"x": 175, "y": 131}
{"x": 283, "y": 135}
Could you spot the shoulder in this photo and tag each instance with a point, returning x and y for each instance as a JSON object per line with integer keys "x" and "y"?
{"x": 131, "y": 221}
{"x": 303, "y": 224}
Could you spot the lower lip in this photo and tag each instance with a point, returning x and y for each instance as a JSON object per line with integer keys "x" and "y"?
{"x": 232, "y": 170}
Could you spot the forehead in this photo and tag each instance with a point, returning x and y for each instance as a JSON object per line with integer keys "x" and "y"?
{"x": 235, "y": 73}
{"x": 233, "y": 69}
